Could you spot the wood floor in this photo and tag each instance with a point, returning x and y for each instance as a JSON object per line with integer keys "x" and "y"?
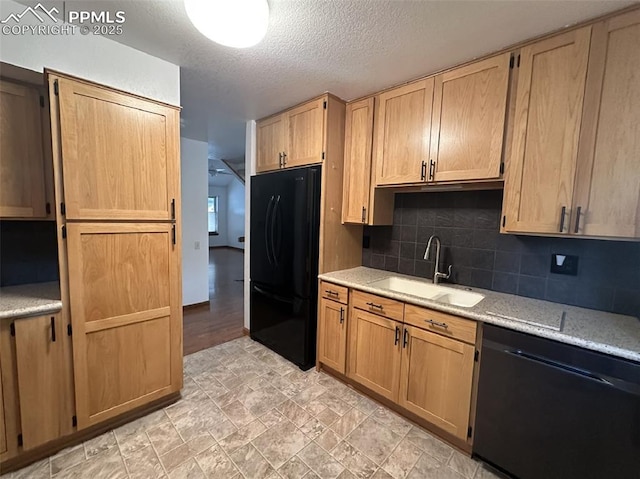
{"x": 223, "y": 319}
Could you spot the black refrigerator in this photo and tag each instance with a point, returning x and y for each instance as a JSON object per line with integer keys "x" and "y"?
{"x": 285, "y": 222}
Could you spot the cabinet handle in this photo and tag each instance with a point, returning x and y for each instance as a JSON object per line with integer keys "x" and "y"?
{"x": 53, "y": 329}
{"x": 432, "y": 165}
{"x": 284, "y": 159}
{"x": 423, "y": 171}
{"x": 280, "y": 159}
{"x": 435, "y": 323}
{"x": 341, "y": 315}
{"x": 563, "y": 212}
{"x": 405, "y": 338}
{"x": 578, "y": 213}
{"x": 332, "y": 293}
{"x": 397, "y": 336}
{"x": 375, "y": 306}
{"x": 364, "y": 214}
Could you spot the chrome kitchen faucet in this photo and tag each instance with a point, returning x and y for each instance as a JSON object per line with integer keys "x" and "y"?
{"x": 436, "y": 274}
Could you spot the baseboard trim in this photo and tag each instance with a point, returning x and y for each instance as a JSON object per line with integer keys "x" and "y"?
{"x": 245, "y": 332}
{"x": 227, "y": 247}
{"x": 196, "y": 306}
{"x": 78, "y": 437}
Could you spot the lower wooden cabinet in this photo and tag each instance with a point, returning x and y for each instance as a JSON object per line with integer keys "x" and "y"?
{"x": 421, "y": 359}
{"x": 126, "y": 313}
{"x": 374, "y": 352}
{"x": 9, "y": 410}
{"x": 332, "y": 335}
{"x": 36, "y": 383}
{"x": 436, "y": 379}
{"x": 45, "y": 385}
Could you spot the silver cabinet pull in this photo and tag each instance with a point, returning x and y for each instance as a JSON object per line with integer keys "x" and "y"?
{"x": 364, "y": 214}
{"x": 397, "y": 336}
{"x": 435, "y": 323}
{"x": 375, "y": 306}
{"x": 341, "y": 315}
{"x": 423, "y": 171}
{"x": 405, "y": 338}
{"x": 332, "y": 293}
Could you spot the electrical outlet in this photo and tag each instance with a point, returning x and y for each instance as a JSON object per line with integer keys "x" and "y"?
{"x": 564, "y": 264}
{"x": 196, "y": 245}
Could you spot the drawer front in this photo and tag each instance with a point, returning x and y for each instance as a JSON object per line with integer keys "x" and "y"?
{"x": 378, "y": 305}
{"x": 441, "y": 323}
{"x": 334, "y": 292}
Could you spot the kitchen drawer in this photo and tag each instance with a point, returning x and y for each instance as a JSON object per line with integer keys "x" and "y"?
{"x": 334, "y": 292}
{"x": 378, "y": 305}
{"x": 441, "y": 323}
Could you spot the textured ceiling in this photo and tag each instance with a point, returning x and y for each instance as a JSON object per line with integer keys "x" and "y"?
{"x": 348, "y": 47}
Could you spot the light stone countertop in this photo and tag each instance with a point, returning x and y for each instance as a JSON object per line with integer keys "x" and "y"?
{"x": 609, "y": 333}
{"x": 33, "y": 299}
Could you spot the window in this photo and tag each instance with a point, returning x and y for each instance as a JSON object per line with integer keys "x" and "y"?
{"x": 213, "y": 215}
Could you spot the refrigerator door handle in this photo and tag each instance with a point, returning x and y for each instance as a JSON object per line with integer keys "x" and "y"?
{"x": 271, "y": 295}
{"x": 266, "y": 230}
{"x": 274, "y": 216}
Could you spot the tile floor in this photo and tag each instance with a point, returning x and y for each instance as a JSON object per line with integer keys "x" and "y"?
{"x": 248, "y": 413}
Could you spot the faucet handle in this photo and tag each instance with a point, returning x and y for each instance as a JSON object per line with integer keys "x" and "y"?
{"x": 448, "y": 275}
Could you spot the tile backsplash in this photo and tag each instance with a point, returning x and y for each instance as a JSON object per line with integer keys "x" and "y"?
{"x": 467, "y": 223}
{"x": 28, "y": 252}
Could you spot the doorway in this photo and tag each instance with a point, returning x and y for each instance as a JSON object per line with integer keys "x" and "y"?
{"x": 222, "y": 319}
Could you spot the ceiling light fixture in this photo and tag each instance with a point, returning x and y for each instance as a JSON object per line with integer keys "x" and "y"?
{"x": 233, "y": 23}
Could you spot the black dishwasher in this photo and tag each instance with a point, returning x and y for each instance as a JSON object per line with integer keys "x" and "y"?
{"x": 549, "y": 410}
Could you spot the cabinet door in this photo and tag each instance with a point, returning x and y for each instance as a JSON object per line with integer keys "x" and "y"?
{"x": 607, "y": 196}
{"x": 550, "y": 91}
{"x": 305, "y": 134}
{"x": 126, "y": 310}
{"x": 374, "y": 352}
{"x": 9, "y": 409}
{"x": 357, "y": 161}
{"x": 403, "y": 133}
{"x": 22, "y": 187}
{"x": 469, "y": 110}
{"x": 436, "y": 380}
{"x": 120, "y": 154}
{"x": 270, "y": 143}
{"x": 332, "y": 335}
{"x": 44, "y": 392}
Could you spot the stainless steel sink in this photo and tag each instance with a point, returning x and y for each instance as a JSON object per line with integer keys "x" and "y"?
{"x": 434, "y": 292}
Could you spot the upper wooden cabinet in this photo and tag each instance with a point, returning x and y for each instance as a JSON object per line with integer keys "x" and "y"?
{"x": 305, "y": 133}
{"x": 606, "y": 199}
{"x": 548, "y": 112}
{"x": 270, "y": 143}
{"x": 469, "y": 110}
{"x": 45, "y": 384}
{"x": 22, "y": 169}
{"x": 402, "y": 133}
{"x": 357, "y": 161}
{"x": 126, "y": 311}
{"x": 576, "y": 148}
{"x": 293, "y": 138}
{"x": 120, "y": 154}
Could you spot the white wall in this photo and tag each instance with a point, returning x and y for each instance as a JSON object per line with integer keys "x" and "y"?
{"x": 250, "y": 165}
{"x": 222, "y": 238}
{"x": 235, "y": 213}
{"x": 91, "y": 57}
{"x": 195, "y": 253}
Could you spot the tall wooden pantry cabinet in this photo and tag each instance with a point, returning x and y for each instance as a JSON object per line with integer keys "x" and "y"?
{"x": 116, "y": 165}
